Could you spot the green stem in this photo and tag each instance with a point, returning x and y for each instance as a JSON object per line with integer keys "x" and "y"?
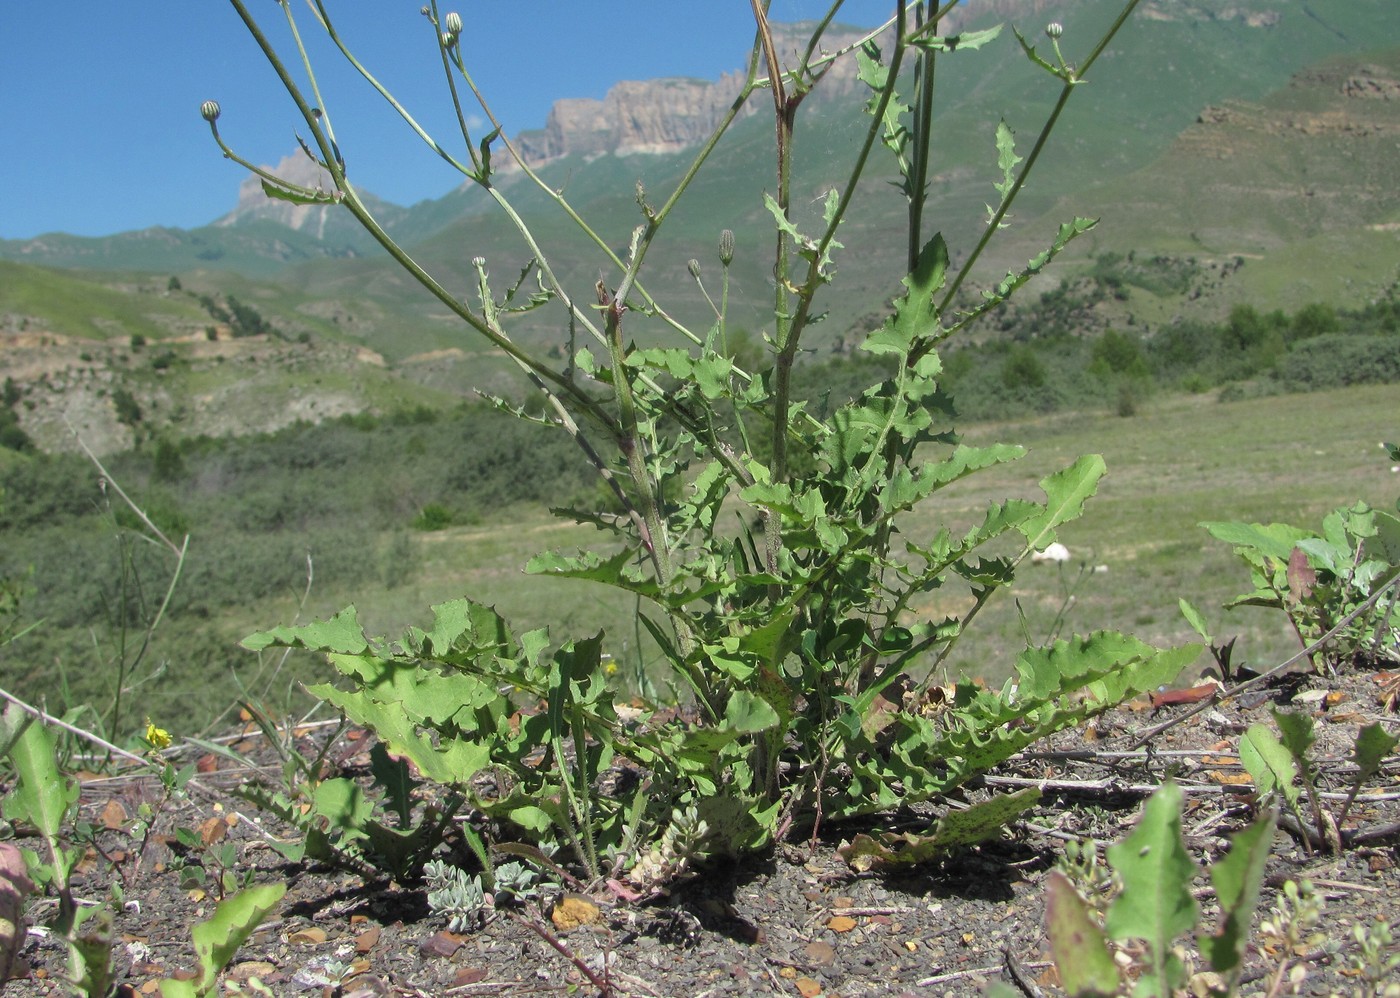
{"x": 630, "y": 442}
{"x": 1070, "y": 83}
{"x": 924, "y": 66}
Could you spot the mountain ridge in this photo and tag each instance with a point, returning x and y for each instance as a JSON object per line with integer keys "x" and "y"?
{"x": 657, "y": 117}
{"x": 1216, "y": 168}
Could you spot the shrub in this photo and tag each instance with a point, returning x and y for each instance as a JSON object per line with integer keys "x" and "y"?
{"x": 128, "y": 409}
{"x": 433, "y": 516}
{"x": 1334, "y": 361}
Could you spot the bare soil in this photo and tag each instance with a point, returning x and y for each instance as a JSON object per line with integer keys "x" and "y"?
{"x": 796, "y": 920}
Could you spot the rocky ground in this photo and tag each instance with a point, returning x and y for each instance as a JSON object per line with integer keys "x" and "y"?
{"x": 795, "y": 921}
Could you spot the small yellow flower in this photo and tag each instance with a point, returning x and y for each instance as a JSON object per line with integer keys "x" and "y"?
{"x": 610, "y": 669}
{"x": 157, "y": 738}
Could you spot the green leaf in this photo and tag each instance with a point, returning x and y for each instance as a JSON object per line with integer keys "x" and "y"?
{"x": 44, "y": 795}
{"x": 807, "y": 247}
{"x": 999, "y": 990}
{"x": 217, "y": 940}
{"x": 1077, "y": 943}
{"x": 1007, "y": 159}
{"x": 1065, "y": 493}
{"x": 1156, "y": 904}
{"x": 915, "y": 314}
{"x": 876, "y": 75}
{"x": 993, "y": 297}
{"x": 594, "y": 567}
{"x": 13, "y": 723}
{"x": 1111, "y": 666}
{"x": 1296, "y": 727}
{"x": 1373, "y": 744}
{"x": 1384, "y": 545}
{"x": 341, "y": 633}
{"x": 957, "y": 829}
{"x": 454, "y": 762}
{"x": 1237, "y": 879}
{"x": 1274, "y": 540}
{"x": 1029, "y": 49}
{"x": 464, "y": 627}
{"x": 1194, "y": 618}
{"x": 1268, "y": 763}
{"x": 342, "y": 804}
{"x": 393, "y": 775}
{"x": 298, "y": 197}
{"x": 749, "y": 714}
{"x": 953, "y": 43}
{"x": 963, "y": 827}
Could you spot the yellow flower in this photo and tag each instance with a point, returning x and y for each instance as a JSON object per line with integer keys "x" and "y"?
{"x": 157, "y": 738}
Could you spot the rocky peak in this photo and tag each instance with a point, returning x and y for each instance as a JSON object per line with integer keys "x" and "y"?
{"x": 667, "y": 115}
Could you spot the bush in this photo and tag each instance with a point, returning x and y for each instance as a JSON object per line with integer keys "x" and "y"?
{"x": 433, "y": 516}
{"x": 128, "y": 409}
{"x": 1335, "y": 361}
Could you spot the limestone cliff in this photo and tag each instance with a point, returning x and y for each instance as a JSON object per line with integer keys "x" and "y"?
{"x": 668, "y": 115}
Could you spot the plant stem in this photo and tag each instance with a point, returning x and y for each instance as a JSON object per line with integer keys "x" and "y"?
{"x": 1070, "y": 83}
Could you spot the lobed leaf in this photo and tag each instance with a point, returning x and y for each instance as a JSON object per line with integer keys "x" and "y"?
{"x": 1373, "y": 744}
{"x": 1065, "y": 494}
{"x": 341, "y": 633}
{"x": 957, "y": 829}
{"x": 952, "y": 43}
{"x": 217, "y": 940}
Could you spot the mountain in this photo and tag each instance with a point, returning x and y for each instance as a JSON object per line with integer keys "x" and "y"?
{"x": 669, "y": 115}
{"x": 1254, "y": 130}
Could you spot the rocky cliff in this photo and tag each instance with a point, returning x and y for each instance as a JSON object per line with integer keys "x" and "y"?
{"x": 668, "y": 115}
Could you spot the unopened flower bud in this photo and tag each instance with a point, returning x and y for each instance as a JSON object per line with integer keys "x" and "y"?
{"x": 448, "y": 39}
{"x": 210, "y": 110}
{"x": 693, "y": 265}
{"x": 726, "y": 247}
{"x": 425, "y": 10}
{"x": 1054, "y": 29}
{"x": 478, "y": 262}
{"x": 453, "y": 23}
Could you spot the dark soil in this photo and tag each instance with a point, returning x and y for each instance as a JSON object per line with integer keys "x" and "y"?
{"x": 795, "y": 921}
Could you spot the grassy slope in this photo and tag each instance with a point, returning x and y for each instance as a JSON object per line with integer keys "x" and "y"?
{"x": 1184, "y": 460}
{"x": 94, "y": 305}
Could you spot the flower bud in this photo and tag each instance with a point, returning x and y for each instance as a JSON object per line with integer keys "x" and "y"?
{"x": 1054, "y": 29}
{"x": 425, "y": 10}
{"x": 478, "y": 262}
{"x": 726, "y": 247}
{"x": 210, "y": 111}
{"x": 448, "y": 39}
{"x": 693, "y": 265}
{"x": 453, "y": 23}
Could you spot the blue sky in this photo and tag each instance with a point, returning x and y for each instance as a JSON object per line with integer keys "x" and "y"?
{"x": 99, "y": 100}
